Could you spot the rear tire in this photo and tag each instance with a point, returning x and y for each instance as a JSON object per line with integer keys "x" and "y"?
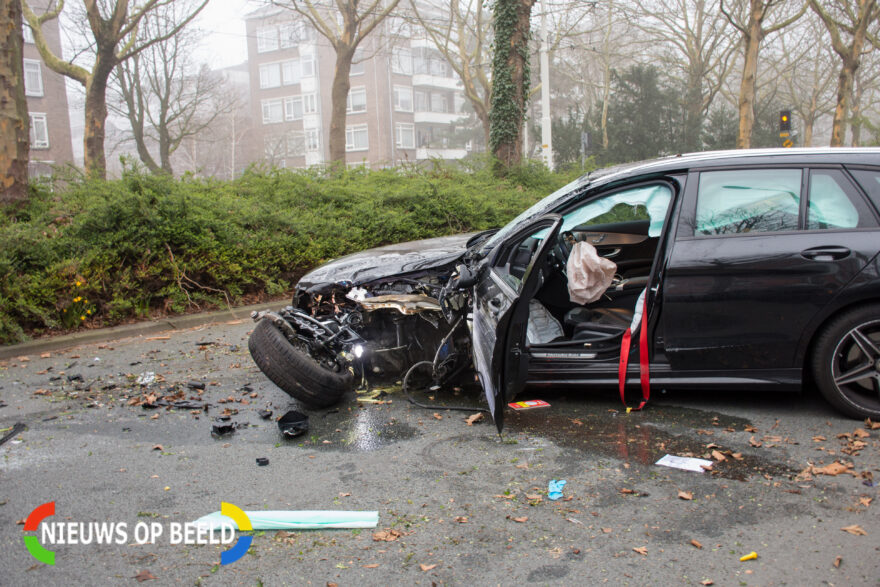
{"x": 846, "y": 362}
{"x": 294, "y": 371}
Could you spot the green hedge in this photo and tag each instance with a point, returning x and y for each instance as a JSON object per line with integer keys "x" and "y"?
{"x": 103, "y": 252}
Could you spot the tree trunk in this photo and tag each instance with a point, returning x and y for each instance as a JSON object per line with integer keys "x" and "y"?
{"x": 96, "y": 117}
{"x": 510, "y": 86}
{"x": 844, "y": 92}
{"x": 752, "y": 40}
{"x": 14, "y": 121}
{"x": 856, "y": 115}
{"x": 338, "y": 102}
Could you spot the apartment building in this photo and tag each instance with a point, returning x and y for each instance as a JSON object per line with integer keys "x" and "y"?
{"x": 404, "y": 105}
{"x": 47, "y": 104}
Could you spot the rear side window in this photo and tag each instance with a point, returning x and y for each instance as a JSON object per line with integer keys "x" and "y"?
{"x": 870, "y": 181}
{"x": 748, "y": 200}
{"x": 834, "y": 203}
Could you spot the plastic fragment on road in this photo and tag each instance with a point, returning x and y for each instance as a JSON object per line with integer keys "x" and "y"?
{"x": 529, "y": 404}
{"x": 685, "y": 463}
{"x": 554, "y": 489}
{"x": 294, "y": 520}
{"x": 749, "y": 557}
{"x": 293, "y": 423}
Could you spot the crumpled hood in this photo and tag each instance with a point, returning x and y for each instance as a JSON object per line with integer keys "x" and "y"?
{"x": 387, "y": 261}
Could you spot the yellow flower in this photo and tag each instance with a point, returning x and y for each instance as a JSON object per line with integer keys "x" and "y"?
{"x": 77, "y": 298}
{"x": 89, "y": 312}
{"x": 78, "y": 283}
{"x": 82, "y": 317}
{"x": 65, "y": 310}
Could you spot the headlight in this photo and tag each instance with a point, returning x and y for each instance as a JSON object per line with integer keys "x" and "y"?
{"x": 358, "y": 351}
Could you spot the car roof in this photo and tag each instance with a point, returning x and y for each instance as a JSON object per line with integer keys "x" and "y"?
{"x": 824, "y": 155}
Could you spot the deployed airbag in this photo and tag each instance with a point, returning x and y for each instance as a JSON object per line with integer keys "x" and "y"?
{"x": 589, "y": 275}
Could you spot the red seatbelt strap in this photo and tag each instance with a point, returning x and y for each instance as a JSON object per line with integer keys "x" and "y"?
{"x": 644, "y": 369}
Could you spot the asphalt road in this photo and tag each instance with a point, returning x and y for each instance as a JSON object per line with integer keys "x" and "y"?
{"x": 466, "y": 506}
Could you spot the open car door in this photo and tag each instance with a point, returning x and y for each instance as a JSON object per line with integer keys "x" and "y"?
{"x": 511, "y": 278}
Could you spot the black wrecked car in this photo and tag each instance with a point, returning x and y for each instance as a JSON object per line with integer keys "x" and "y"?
{"x": 749, "y": 269}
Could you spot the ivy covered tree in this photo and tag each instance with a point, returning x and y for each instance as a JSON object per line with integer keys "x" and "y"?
{"x": 510, "y": 79}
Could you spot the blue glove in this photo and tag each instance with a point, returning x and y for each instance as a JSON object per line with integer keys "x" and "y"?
{"x": 554, "y": 489}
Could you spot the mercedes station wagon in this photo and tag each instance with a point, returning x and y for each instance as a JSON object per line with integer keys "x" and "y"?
{"x": 753, "y": 269}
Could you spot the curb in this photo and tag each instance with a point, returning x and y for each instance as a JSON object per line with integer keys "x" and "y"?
{"x": 65, "y": 341}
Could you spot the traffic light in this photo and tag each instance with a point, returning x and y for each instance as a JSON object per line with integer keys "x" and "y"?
{"x": 784, "y": 120}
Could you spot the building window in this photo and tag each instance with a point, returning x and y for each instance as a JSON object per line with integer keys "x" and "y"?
{"x": 273, "y": 111}
{"x": 313, "y": 139}
{"x": 39, "y": 131}
{"x": 310, "y": 103}
{"x": 33, "y": 77}
{"x": 296, "y": 144}
{"x": 307, "y": 65}
{"x": 401, "y": 61}
{"x": 294, "y": 33}
{"x": 421, "y": 101}
{"x": 420, "y": 61}
{"x": 357, "y": 101}
{"x": 27, "y": 33}
{"x": 293, "y": 108}
{"x": 291, "y": 72}
{"x": 270, "y": 75}
{"x": 405, "y": 135}
{"x": 403, "y": 99}
{"x": 267, "y": 39}
{"x": 439, "y": 103}
{"x": 356, "y": 138}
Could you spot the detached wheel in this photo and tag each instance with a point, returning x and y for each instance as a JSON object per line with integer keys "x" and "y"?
{"x": 846, "y": 362}
{"x": 294, "y": 371}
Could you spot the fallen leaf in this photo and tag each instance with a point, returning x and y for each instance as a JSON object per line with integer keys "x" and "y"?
{"x": 144, "y": 576}
{"x": 387, "y": 535}
{"x": 627, "y": 491}
{"x": 24, "y": 359}
{"x": 154, "y": 417}
{"x": 474, "y": 418}
{"x": 158, "y": 338}
{"x": 819, "y": 439}
{"x": 707, "y": 582}
{"x": 750, "y": 428}
{"x": 755, "y": 443}
{"x": 606, "y": 530}
{"x": 511, "y": 496}
{"x": 461, "y": 519}
{"x": 521, "y": 520}
{"x": 21, "y": 522}
{"x": 533, "y": 497}
{"x": 345, "y": 495}
{"x": 696, "y": 544}
{"x": 834, "y": 469}
{"x": 718, "y": 456}
{"x": 837, "y": 562}
{"x": 685, "y": 495}
{"x": 642, "y": 550}
{"x": 577, "y": 422}
{"x": 855, "y": 530}
{"x": 427, "y": 568}
{"x": 872, "y": 425}
{"x": 372, "y": 566}
{"x": 157, "y": 447}
{"x": 865, "y": 501}
{"x": 45, "y": 355}
{"x": 523, "y": 466}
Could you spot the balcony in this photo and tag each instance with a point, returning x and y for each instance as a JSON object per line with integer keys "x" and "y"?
{"x": 437, "y": 117}
{"x": 434, "y": 81}
{"x": 429, "y": 153}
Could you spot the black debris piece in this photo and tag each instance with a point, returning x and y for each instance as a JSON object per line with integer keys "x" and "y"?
{"x": 186, "y": 404}
{"x": 75, "y": 377}
{"x": 204, "y": 343}
{"x": 262, "y": 461}
{"x": 12, "y": 433}
{"x": 246, "y": 387}
{"x": 264, "y": 414}
{"x": 195, "y": 385}
{"x": 222, "y": 427}
{"x": 55, "y": 378}
{"x": 3, "y": 404}
{"x": 293, "y": 423}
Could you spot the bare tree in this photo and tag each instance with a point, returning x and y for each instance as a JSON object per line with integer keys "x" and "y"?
{"x": 852, "y": 25}
{"x": 463, "y": 40}
{"x": 114, "y": 26}
{"x": 164, "y": 95}
{"x": 748, "y": 18}
{"x": 345, "y": 24}
{"x": 14, "y": 120}
{"x": 802, "y": 63}
{"x": 864, "y": 85}
{"x": 701, "y": 49}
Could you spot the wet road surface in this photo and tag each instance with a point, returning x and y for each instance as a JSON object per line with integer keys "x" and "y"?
{"x": 467, "y": 505}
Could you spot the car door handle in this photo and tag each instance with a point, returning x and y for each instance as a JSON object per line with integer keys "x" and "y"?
{"x": 826, "y": 253}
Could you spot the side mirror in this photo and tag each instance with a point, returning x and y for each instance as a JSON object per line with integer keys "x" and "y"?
{"x": 463, "y": 277}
